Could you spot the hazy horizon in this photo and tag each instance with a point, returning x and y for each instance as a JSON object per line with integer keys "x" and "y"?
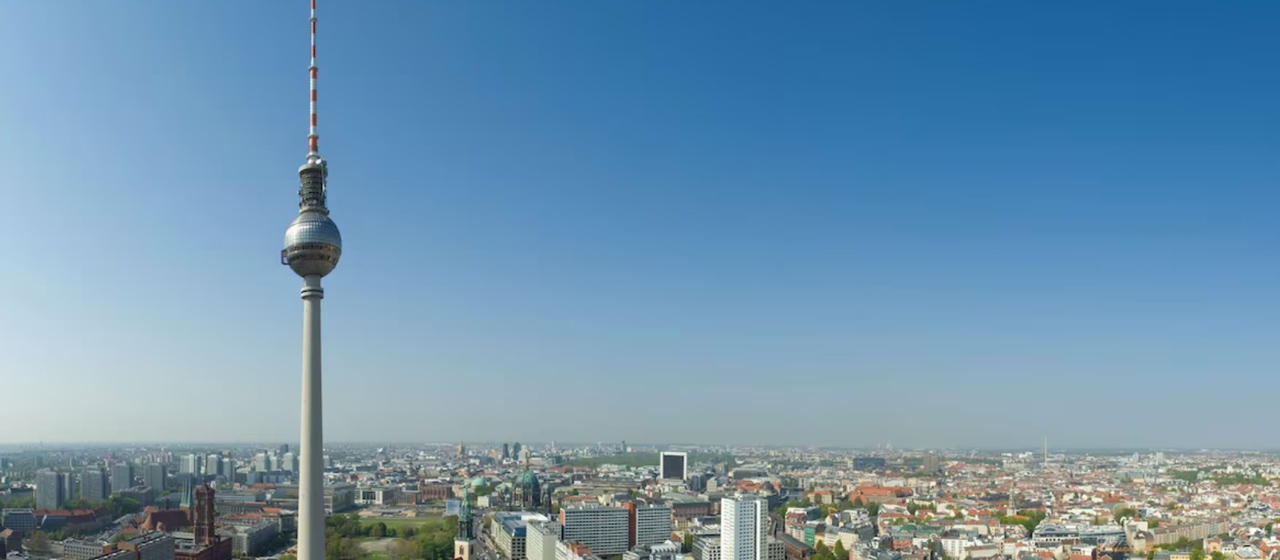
{"x": 936, "y": 223}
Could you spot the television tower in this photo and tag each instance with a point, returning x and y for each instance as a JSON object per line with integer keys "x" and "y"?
{"x": 312, "y": 246}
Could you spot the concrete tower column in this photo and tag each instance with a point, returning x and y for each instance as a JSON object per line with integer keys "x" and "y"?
{"x": 311, "y": 477}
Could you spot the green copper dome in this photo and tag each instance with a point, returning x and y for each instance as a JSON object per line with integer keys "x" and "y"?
{"x": 526, "y": 479}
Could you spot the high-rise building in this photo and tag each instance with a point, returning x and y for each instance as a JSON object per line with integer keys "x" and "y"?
{"x": 70, "y": 486}
{"x": 515, "y": 450}
{"x": 312, "y": 246}
{"x": 228, "y": 468}
{"x": 674, "y": 465}
{"x": 743, "y": 524}
{"x": 94, "y": 485}
{"x": 260, "y": 463}
{"x": 288, "y": 463}
{"x": 506, "y": 452}
{"x": 931, "y": 464}
{"x": 284, "y": 448}
{"x": 602, "y": 528}
{"x": 121, "y": 477}
{"x": 190, "y": 464}
{"x": 50, "y": 490}
{"x": 188, "y": 484}
{"x": 213, "y": 464}
{"x": 461, "y": 450}
{"x": 652, "y": 524}
{"x": 155, "y": 475}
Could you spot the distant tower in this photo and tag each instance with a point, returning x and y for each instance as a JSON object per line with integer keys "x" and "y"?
{"x": 202, "y": 516}
{"x": 312, "y": 246}
{"x": 1010, "y": 510}
{"x": 1046, "y": 449}
{"x": 465, "y": 541}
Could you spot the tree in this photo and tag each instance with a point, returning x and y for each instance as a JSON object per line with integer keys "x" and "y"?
{"x": 378, "y": 530}
{"x": 1125, "y": 512}
{"x": 39, "y": 541}
{"x": 402, "y": 550}
{"x": 1218, "y": 555}
{"x": 1197, "y": 554}
{"x": 688, "y": 542}
{"x": 842, "y": 554}
{"x": 857, "y": 502}
{"x": 821, "y": 552}
{"x": 873, "y": 509}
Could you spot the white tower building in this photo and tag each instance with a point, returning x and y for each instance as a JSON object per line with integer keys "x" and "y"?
{"x": 312, "y": 246}
{"x": 743, "y": 522}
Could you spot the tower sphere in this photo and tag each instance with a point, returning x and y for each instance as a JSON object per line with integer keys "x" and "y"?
{"x": 312, "y": 244}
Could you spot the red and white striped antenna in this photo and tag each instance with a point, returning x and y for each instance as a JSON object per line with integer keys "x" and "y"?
{"x": 313, "y": 139}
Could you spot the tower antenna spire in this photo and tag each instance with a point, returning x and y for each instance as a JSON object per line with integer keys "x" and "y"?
{"x": 313, "y": 139}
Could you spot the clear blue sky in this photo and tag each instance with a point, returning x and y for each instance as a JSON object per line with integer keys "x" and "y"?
{"x": 831, "y": 222}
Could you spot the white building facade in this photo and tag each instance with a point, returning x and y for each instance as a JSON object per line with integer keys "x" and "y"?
{"x": 743, "y": 523}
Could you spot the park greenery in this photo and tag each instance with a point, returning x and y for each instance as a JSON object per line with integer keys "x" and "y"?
{"x": 1028, "y": 518}
{"x": 430, "y": 540}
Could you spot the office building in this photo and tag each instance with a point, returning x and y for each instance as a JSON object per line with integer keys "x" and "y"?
{"x": 673, "y": 465}
{"x": 50, "y": 490}
{"x": 150, "y": 546}
{"x": 743, "y": 524}
{"x": 213, "y": 465}
{"x": 190, "y": 464}
{"x": 228, "y": 469}
{"x": 651, "y": 525}
{"x": 541, "y": 538}
{"x": 94, "y": 485}
{"x": 666, "y": 550}
{"x": 288, "y": 463}
{"x": 76, "y": 549}
{"x": 155, "y": 475}
{"x": 70, "y": 486}
{"x": 121, "y": 477}
{"x": 708, "y": 548}
{"x": 931, "y": 464}
{"x": 602, "y": 528}
{"x": 19, "y": 519}
{"x": 510, "y": 532}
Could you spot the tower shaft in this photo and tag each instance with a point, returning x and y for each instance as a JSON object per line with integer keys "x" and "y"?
{"x": 311, "y": 473}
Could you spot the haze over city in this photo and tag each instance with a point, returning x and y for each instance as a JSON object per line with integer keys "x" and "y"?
{"x": 945, "y": 224}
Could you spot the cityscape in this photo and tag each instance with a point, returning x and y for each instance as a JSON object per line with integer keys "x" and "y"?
{"x": 753, "y": 238}
{"x": 562, "y": 501}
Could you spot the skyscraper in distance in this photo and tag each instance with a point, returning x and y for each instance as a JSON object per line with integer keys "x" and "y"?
{"x": 155, "y": 476}
{"x": 50, "y": 488}
{"x": 673, "y": 465}
{"x": 312, "y": 246}
{"x": 70, "y": 486}
{"x": 94, "y": 485}
{"x": 121, "y": 477}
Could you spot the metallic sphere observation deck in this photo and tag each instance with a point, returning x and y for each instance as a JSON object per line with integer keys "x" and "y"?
{"x": 312, "y": 243}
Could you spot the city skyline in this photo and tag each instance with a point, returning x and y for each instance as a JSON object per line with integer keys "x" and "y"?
{"x": 942, "y": 225}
